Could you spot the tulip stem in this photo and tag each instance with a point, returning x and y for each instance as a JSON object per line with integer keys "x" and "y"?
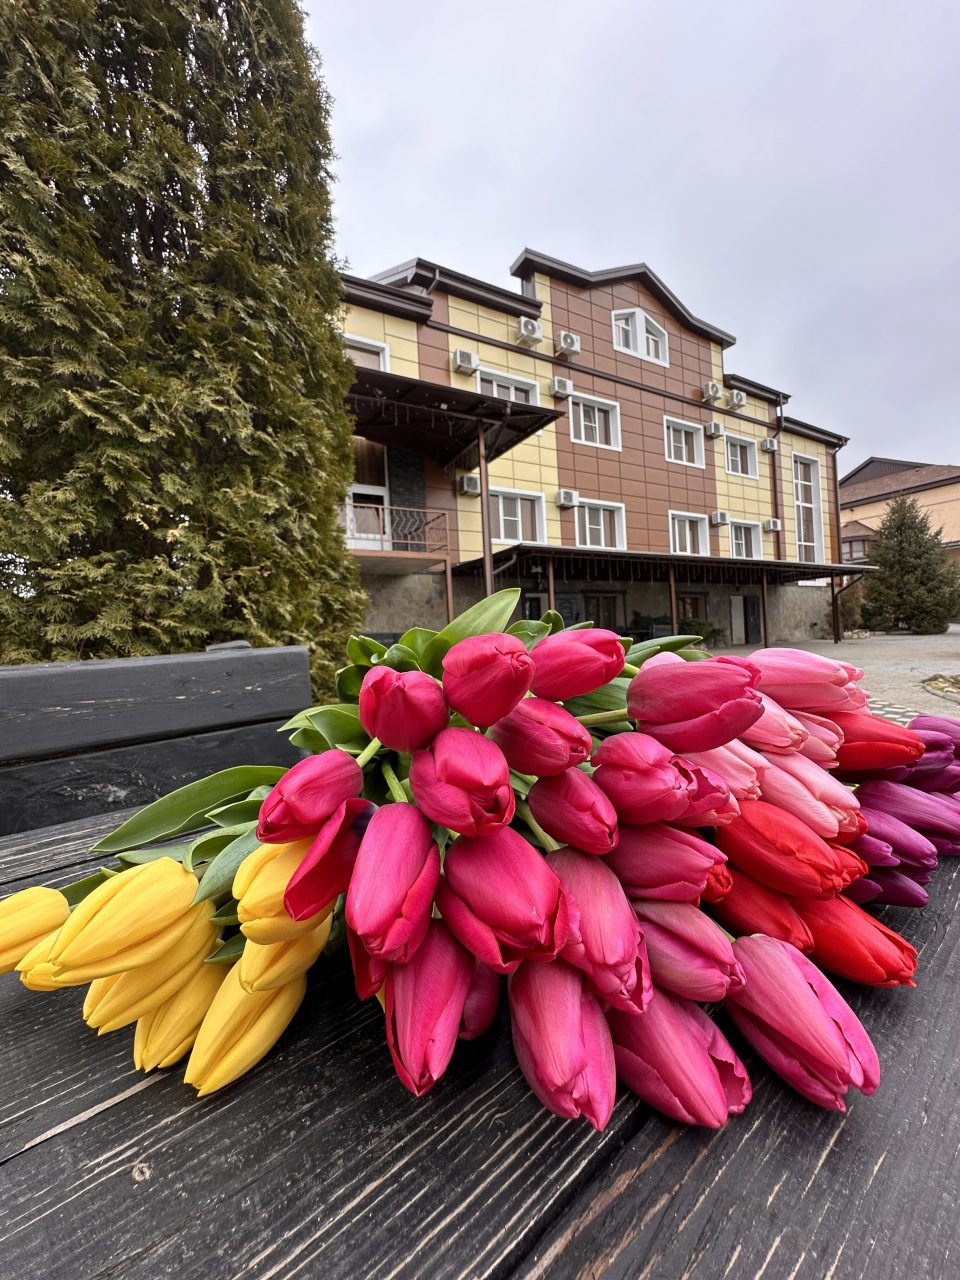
{"x": 369, "y": 751}
{"x": 605, "y": 717}
{"x": 629, "y": 669}
{"x": 548, "y": 842}
{"x": 394, "y": 785}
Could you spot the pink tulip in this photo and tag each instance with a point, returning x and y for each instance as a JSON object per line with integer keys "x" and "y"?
{"x": 462, "y": 781}
{"x": 391, "y": 889}
{"x": 369, "y": 972}
{"x": 484, "y": 677}
{"x": 823, "y": 741}
{"x": 689, "y": 954}
{"x": 711, "y": 802}
{"x": 571, "y": 663}
{"x": 483, "y": 999}
{"x": 737, "y": 764}
{"x": 663, "y": 863}
{"x": 645, "y": 781}
{"x": 562, "y": 1042}
{"x": 693, "y": 706}
{"x": 802, "y": 788}
{"x": 307, "y": 795}
{"x": 328, "y": 864}
{"x": 802, "y": 681}
{"x": 677, "y": 1060}
{"x": 573, "y": 809}
{"x": 776, "y": 730}
{"x": 404, "y": 709}
{"x": 542, "y": 739}
{"x": 606, "y": 942}
{"x": 799, "y": 1023}
{"x": 502, "y": 900}
{"x": 423, "y": 1003}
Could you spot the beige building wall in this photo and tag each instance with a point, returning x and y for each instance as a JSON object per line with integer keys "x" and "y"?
{"x": 790, "y": 447}
{"x": 942, "y": 505}
{"x": 747, "y": 499}
{"x": 398, "y": 334}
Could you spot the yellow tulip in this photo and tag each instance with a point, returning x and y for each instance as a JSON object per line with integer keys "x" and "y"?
{"x": 259, "y": 886}
{"x": 132, "y": 919}
{"x": 25, "y": 919}
{"x": 36, "y": 968}
{"x": 265, "y": 967}
{"x": 167, "y": 1032}
{"x": 116, "y": 1001}
{"x": 239, "y": 1028}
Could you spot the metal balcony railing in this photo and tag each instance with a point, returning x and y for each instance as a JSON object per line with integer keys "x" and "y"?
{"x": 373, "y": 527}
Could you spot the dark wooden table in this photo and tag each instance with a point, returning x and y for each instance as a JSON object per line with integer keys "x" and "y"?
{"x": 320, "y": 1164}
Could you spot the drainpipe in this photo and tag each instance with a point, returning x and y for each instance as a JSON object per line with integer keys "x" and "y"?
{"x": 775, "y": 480}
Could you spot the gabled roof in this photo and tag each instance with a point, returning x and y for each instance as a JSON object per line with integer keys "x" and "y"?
{"x": 926, "y": 476}
{"x": 419, "y": 274}
{"x": 856, "y": 529}
{"x": 530, "y": 262}
{"x": 879, "y": 467}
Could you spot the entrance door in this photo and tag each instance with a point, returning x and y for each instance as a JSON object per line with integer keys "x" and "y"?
{"x": 754, "y": 627}
{"x": 738, "y": 621}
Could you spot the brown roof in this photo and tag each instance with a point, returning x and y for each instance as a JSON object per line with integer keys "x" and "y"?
{"x": 856, "y": 529}
{"x": 872, "y": 467}
{"x": 929, "y": 476}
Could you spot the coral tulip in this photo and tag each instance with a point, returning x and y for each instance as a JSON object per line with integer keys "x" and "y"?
{"x": 484, "y": 677}
{"x": 854, "y": 945}
{"x": 167, "y": 1032}
{"x": 572, "y": 808}
{"x": 26, "y": 918}
{"x": 462, "y": 781}
{"x": 306, "y": 796}
{"x": 823, "y": 739}
{"x": 571, "y": 663}
{"x": 323, "y": 871}
{"x": 661, "y": 862}
{"x": 645, "y": 781}
{"x": 542, "y": 739}
{"x": 689, "y": 954}
{"x": 750, "y": 907}
{"x": 737, "y": 765}
{"x": 404, "y": 709}
{"x": 782, "y": 852}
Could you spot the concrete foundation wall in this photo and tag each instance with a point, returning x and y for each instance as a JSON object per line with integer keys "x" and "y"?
{"x": 799, "y": 613}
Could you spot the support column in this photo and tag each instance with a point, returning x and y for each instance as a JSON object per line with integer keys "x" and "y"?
{"x": 763, "y": 607}
{"x": 485, "y": 512}
{"x": 674, "y": 618}
{"x": 835, "y": 610}
{"x": 551, "y": 587}
{"x": 448, "y": 582}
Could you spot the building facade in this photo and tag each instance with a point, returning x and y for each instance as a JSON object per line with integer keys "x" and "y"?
{"x": 623, "y": 476}
{"x": 867, "y": 491}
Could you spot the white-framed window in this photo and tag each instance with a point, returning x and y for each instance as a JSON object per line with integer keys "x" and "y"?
{"x": 745, "y": 540}
{"x": 689, "y": 533}
{"x": 741, "y": 456}
{"x": 503, "y": 386}
{"x": 595, "y": 422}
{"x": 367, "y": 354}
{"x": 683, "y": 442}
{"x": 601, "y": 524}
{"x": 637, "y": 334}
{"x": 808, "y": 508}
{"x": 517, "y": 515}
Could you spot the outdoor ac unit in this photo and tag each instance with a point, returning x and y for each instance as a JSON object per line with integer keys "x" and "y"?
{"x": 465, "y": 361}
{"x": 561, "y": 387}
{"x": 469, "y": 486}
{"x": 568, "y": 498}
{"x": 566, "y": 343}
{"x": 720, "y": 517}
{"x": 712, "y": 391}
{"x": 737, "y": 399}
{"x": 770, "y": 445}
{"x": 529, "y": 332}
{"x": 714, "y": 430}
{"x": 773, "y": 525}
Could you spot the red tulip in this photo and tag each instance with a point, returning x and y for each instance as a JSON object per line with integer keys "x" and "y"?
{"x": 574, "y": 662}
{"x": 404, "y": 709}
{"x": 391, "y": 889}
{"x": 645, "y": 781}
{"x": 462, "y": 781}
{"x": 750, "y": 907}
{"x": 663, "y": 863}
{"x": 483, "y": 999}
{"x": 694, "y": 706}
{"x": 328, "y": 864}
{"x": 783, "y": 853}
{"x": 562, "y": 1042}
{"x": 484, "y": 677}
{"x": 871, "y": 744}
{"x": 689, "y": 954}
{"x": 423, "y": 1003}
{"x": 677, "y": 1060}
{"x": 307, "y": 795}
{"x": 848, "y": 942}
{"x": 502, "y": 900}
{"x": 542, "y": 739}
{"x": 572, "y": 808}
{"x": 719, "y": 883}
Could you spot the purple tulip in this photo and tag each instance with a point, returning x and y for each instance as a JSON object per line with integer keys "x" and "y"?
{"x": 462, "y": 781}
{"x": 484, "y": 677}
{"x": 934, "y": 815}
{"x": 404, "y": 709}
{"x": 307, "y": 795}
{"x": 948, "y": 725}
{"x": 660, "y": 862}
{"x": 884, "y": 886}
{"x": 572, "y": 808}
{"x": 689, "y": 954}
{"x": 542, "y": 739}
{"x": 575, "y": 662}
{"x": 645, "y": 781}
{"x": 907, "y": 845}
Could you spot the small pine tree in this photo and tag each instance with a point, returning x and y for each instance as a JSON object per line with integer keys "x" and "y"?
{"x": 917, "y": 588}
{"x": 174, "y": 450}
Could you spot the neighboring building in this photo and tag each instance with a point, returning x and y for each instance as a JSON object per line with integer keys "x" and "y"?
{"x": 867, "y": 490}
{"x": 630, "y": 479}
{"x": 855, "y": 541}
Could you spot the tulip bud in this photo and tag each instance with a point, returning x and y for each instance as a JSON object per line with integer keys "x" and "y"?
{"x": 934, "y": 815}
{"x": 423, "y": 1006}
{"x": 502, "y": 900}
{"x": 483, "y": 999}
{"x": 871, "y": 744}
{"x": 404, "y": 709}
{"x": 737, "y": 765}
{"x": 798, "y": 786}
{"x": 676, "y": 1059}
{"x": 325, "y": 869}
{"x": 750, "y": 907}
{"x": 571, "y": 663}
{"x": 562, "y": 1041}
{"x": 391, "y": 889}
{"x": 238, "y": 1029}
{"x": 306, "y": 796}
{"x": 908, "y": 845}
{"x": 853, "y": 945}
{"x": 542, "y": 739}
{"x": 783, "y": 853}
{"x": 711, "y": 803}
{"x": 689, "y": 954}
{"x": 484, "y": 677}
{"x": 776, "y": 730}
{"x": 259, "y": 887}
{"x": 884, "y": 886}
{"x": 36, "y": 969}
{"x": 803, "y": 681}
{"x": 266, "y": 967}
{"x": 26, "y": 918}
{"x": 948, "y": 725}
{"x": 823, "y": 739}
{"x": 694, "y": 706}
{"x": 462, "y": 781}
{"x": 645, "y": 781}
{"x": 369, "y": 972}
{"x": 663, "y": 863}
{"x": 572, "y": 808}
{"x": 167, "y": 1032}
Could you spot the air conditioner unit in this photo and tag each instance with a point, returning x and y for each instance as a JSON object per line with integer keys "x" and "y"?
{"x": 773, "y": 525}
{"x": 736, "y": 399}
{"x": 465, "y": 361}
{"x": 529, "y": 332}
{"x": 469, "y": 486}
{"x": 714, "y": 430}
{"x": 720, "y": 517}
{"x": 568, "y": 498}
{"x": 712, "y": 391}
{"x": 770, "y": 445}
{"x": 561, "y": 387}
{"x": 566, "y": 343}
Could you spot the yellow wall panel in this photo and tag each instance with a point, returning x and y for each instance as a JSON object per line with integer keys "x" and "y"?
{"x": 941, "y": 505}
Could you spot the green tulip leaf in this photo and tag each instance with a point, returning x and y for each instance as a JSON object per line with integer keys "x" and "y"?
{"x": 609, "y": 697}
{"x": 365, "y": 651}
{"x": 400, "y": 658}
{"x": 133, "y": 857}
{"x": 340, "y": 726}
{"x": 349, "y": 680}
{"x": 218, "y": 877}
{"x": 553, "y": 620}
{"x": 638, "y": 654}
{"x": 528, "y": 631}
{"x": 229, "y": 815}
{"x": 311, "y": 741}
{"x": 228, "y": 951}
{"x": 417, "y": 639}
{"x": 206, "y": 847}
{"x": 227, "y": 914}
{"x": 694, "y": 655}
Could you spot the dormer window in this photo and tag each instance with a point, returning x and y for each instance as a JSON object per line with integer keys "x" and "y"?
{"x": 637, "y": 334}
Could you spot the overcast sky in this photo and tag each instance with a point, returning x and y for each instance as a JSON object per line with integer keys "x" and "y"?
{"x": 790, "y": 170}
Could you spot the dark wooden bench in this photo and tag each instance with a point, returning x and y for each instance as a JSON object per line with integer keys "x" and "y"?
{"x": 83, "y": 738}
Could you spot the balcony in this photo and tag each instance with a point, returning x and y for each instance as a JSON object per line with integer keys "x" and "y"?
{"x": 395, "y": 540}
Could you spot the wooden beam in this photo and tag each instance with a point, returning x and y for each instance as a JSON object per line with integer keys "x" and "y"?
{"x": 551, "y": 586}
{"x": 763, "y": 608}
{"x": 674, "y": 614}
{"x": 448, "y": 584}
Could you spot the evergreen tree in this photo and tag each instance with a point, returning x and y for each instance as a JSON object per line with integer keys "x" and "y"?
{"x": 917, "y": 588}
{"x": 173, "y": 445}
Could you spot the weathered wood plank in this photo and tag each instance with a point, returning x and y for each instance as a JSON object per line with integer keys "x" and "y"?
{"x": 53, "y": 708}
{"x": 790, "y": 1192}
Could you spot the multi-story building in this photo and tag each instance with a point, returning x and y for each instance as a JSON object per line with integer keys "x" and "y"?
{"x": 867, "y": 491}
{"x": 579, "y": 437}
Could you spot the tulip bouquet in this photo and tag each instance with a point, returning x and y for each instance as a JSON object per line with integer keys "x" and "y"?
{"x": 617, "y": 834}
